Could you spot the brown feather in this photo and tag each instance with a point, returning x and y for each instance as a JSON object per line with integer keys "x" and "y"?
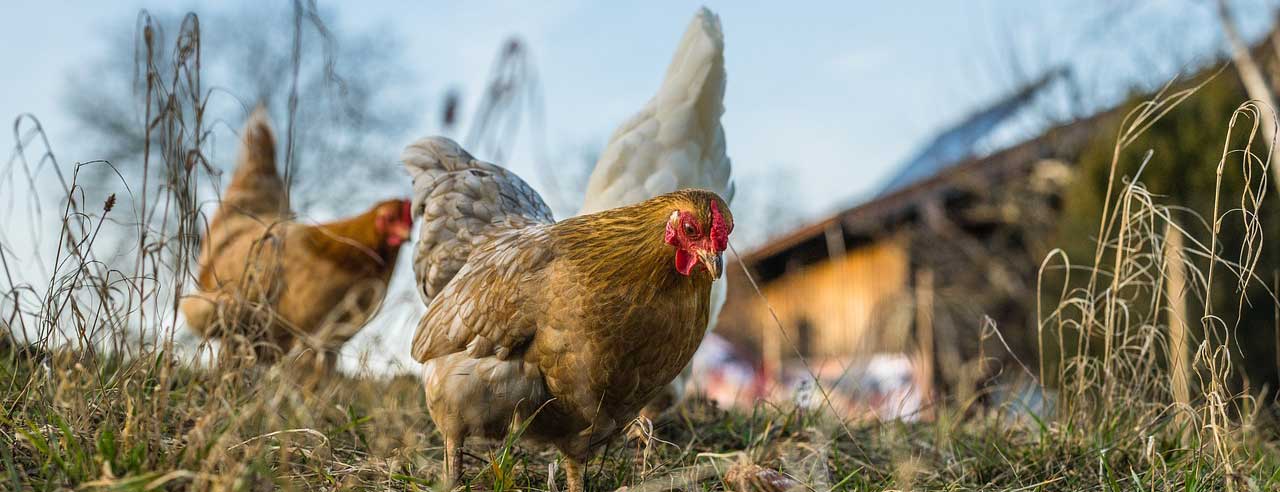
{"x": 271, "y": 280}
{"x": 593, "y": 309}
{"x": 581, "y": 321}
{"x": 355, "y": 243}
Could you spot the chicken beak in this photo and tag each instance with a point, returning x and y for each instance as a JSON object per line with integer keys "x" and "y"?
{"x": 713, "y": 261}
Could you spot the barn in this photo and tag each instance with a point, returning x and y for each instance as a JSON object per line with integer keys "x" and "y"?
{"x": 918, "y": 279}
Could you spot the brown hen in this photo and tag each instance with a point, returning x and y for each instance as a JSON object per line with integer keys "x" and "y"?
{"x": 280, "y": 285}
{"x": 571, "y": 326}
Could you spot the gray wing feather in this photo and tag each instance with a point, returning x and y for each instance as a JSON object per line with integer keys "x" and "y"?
{"x": 460, "y": 202}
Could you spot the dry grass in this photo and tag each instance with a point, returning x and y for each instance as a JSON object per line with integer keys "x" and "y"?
{"x": 96, "y": 394}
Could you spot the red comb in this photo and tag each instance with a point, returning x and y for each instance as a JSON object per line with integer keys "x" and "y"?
{"x": 719, "y": 229}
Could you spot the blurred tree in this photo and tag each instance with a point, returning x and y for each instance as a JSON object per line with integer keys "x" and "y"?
{"x": 354, "y": 104}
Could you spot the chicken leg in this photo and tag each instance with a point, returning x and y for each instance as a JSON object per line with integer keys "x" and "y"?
{"x": 452, "y": 462}
{"x": 573, "y": 470}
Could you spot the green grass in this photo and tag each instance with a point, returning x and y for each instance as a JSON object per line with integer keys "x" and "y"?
{"x": 75, "y": 422}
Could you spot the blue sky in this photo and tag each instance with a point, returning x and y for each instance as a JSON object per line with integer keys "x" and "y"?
{"x": 831, "y": 95}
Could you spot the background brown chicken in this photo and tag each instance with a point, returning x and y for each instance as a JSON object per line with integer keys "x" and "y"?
{"x": 574, "y": 325}
{"x": 281, "y": 285}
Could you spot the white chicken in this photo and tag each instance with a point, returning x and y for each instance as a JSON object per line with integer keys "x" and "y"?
{"x": 674, "y": 142}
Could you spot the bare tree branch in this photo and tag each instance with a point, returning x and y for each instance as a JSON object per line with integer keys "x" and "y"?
{"x": 351, "y": 113}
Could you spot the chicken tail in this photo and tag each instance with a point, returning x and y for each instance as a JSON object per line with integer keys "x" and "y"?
{"x": 256, "y": 187}
{"x": 691, "y": 102}
{"x": 461, "y": 199}
{"x": 696, "y": 75}
{"x": 675, "y": 141}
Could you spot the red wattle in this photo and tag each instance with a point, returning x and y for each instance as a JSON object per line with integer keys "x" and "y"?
{"x": 685, "y": 262}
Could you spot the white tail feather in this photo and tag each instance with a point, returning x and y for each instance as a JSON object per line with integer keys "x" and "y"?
{"x": 675, "y": 141}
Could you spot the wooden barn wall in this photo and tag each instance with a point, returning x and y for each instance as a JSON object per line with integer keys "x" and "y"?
{"x": 857, "y": 303}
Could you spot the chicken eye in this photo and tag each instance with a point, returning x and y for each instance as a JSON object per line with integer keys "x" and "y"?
{"x": 689, "y": 230}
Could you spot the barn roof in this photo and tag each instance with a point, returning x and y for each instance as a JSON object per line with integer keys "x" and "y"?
{"x": 961, "y": 141}
{"x": 879, "y": 215}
